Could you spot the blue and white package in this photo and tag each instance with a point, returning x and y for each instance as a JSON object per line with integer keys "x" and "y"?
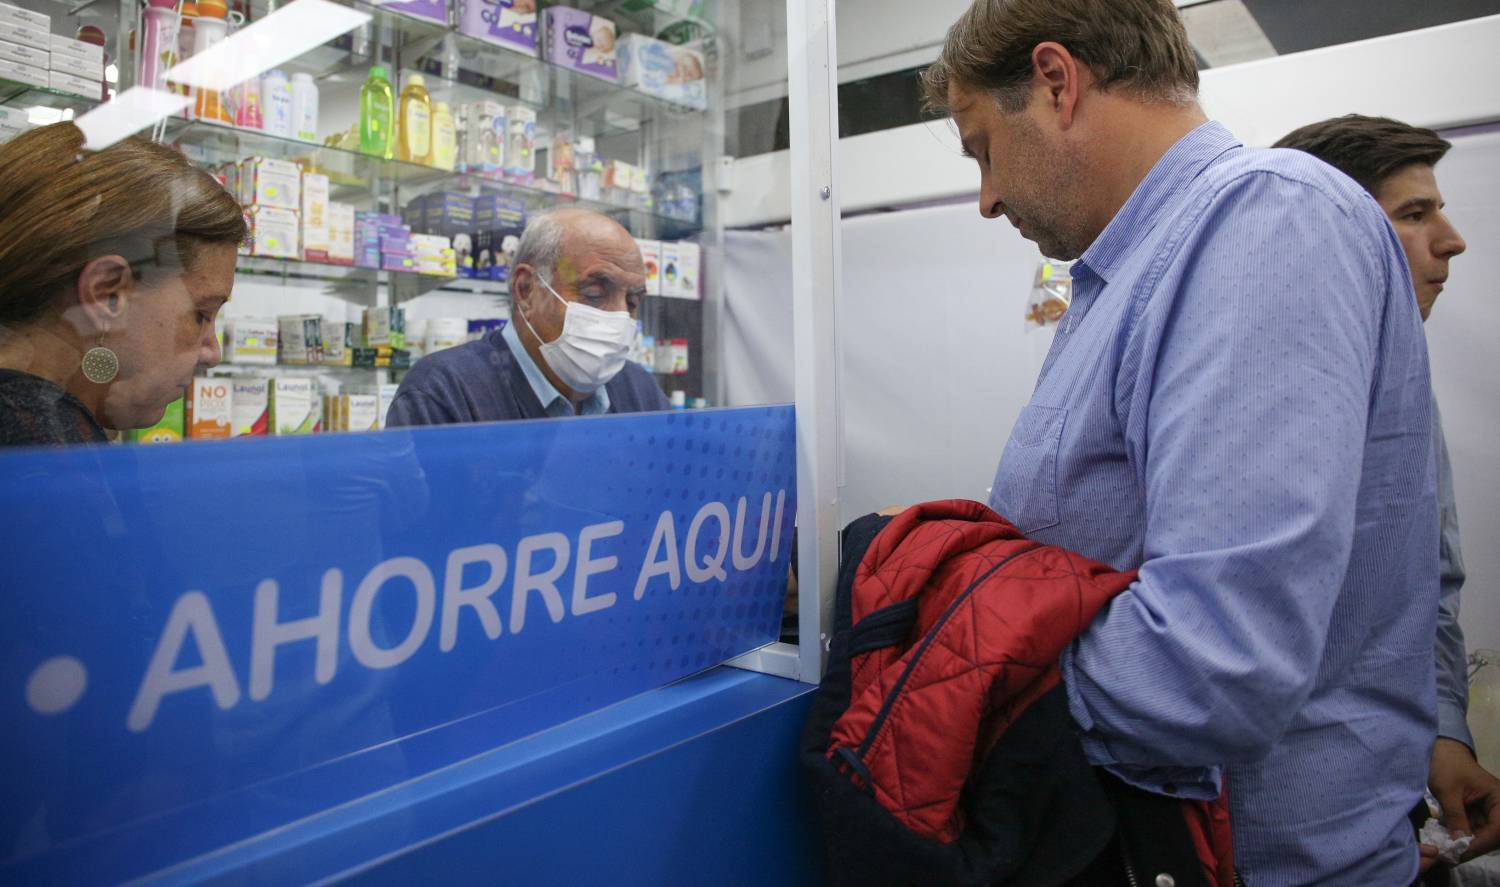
{"x": 656, "y": 67}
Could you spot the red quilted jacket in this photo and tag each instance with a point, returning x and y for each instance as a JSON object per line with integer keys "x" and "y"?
{"x": 993, "y": 612}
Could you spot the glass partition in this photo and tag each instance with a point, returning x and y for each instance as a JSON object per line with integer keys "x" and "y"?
{"x": 438, "y": 455}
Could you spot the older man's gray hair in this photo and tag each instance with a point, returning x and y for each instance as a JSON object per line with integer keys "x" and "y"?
{"x": 541, "y": 242}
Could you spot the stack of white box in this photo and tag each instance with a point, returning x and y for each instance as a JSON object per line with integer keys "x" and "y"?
{"x": 77, "y": 67}
{"x": 26, "y": 46}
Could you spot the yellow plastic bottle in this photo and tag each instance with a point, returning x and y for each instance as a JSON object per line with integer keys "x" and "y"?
{"x": 414, "y": 135}
{"x": 444, "y": 137}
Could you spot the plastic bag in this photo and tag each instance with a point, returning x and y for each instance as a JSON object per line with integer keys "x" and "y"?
{"x": 1051, "y": 292}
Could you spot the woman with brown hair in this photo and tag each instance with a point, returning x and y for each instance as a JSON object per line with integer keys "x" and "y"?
{"x": 113, "y": 265}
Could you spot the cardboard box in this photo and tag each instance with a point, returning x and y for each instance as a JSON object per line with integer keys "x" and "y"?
{"x": 250, "y": 406}
{"x": 209, "y": 411}
{"x": 656, "y": 67}
{"x": 572, "y": 38}
{"x": 499, "y": 222}
{"x": 293, "y": 408}
{"x": 301, "y": 339}
{"x": 671, "y": 261}
{"x": 340, "y": 234}
{"x": 651, "y": 256}
{"x": 11, "y": 14}
{"x": 250, "y": 340}
{"x": 77, "y": 50}
{"x": 80, "y": 86}
{"x": 387, "y": 394}
{"x": 274, "y": 233}
{"x": 315, "y": 218}
{"x": 167, "y": 430}
{"x": 266, "y": 181}
{"x": 445, "y": 332}
{"x": 500, "y": 23}
{"x": 483, "y": 142}
{"x": 13, "y": 122}
{"x": 27, "y": 74}
{"x": 385, "y": 326}
{"x": 23, "y": 55}
{"x": 86, "y": 70}
{"x": 432, "y": 10}
{"x": 520, "y": 142}
{"x": 688, "y": 260}
{"x": 338, "y": 342}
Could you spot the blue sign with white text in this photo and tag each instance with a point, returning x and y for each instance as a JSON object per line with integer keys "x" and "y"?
{"x": 304, "y": 621}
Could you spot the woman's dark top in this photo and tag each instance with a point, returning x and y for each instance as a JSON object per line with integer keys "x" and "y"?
{"x": 36, "y": 412}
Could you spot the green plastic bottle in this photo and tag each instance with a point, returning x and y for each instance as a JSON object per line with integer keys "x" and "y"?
{"x": 377, "y": 132}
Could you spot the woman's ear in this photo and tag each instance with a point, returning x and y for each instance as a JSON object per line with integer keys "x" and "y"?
{"x": 105, "y": 286}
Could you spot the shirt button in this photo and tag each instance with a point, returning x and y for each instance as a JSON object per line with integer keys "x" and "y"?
{"x": 1165, "y": 881}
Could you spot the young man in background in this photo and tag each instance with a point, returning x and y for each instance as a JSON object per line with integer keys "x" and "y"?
{"x": 1395, "y": 163}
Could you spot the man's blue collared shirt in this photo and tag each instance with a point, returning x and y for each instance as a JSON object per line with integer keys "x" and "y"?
{"x": 1237, "y": 405}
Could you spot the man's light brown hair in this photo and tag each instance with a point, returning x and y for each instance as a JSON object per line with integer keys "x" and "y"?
{"x": 1139, "y": 46}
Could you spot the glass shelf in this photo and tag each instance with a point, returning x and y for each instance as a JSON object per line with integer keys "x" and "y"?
{"x": 358, "y": 284}
{"x": 23, "y": 95}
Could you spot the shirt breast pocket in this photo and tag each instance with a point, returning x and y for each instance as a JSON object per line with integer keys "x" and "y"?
{"x": 1025, "y": 491}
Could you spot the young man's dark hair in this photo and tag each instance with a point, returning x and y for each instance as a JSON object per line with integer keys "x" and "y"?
{"x": 1367, "y": 149}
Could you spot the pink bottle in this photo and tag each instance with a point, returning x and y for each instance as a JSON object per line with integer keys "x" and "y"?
{"x": 247, "y": 113}
{"x": 159, "y": 47}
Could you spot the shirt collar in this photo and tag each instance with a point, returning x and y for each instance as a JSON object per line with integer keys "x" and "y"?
{"x": 596, "y": 403}
{"x": 1180, "y": 165}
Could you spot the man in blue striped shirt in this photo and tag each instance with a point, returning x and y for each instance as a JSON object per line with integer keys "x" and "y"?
{"x": 1236, "y": 405}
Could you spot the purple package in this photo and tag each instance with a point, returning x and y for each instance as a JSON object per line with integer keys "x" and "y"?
{"x": 432, "y": 10}
{"x": 508, "y": 23}
{"x": 572, "y": 38}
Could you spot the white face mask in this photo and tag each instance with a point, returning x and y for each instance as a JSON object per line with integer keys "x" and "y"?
{"x": 593, "y": 347}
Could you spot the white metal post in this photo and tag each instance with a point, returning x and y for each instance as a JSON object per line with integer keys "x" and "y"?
{"x": 813, "y": 86}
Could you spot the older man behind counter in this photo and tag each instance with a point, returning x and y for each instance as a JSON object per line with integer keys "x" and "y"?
{"x": 576, "y": 284}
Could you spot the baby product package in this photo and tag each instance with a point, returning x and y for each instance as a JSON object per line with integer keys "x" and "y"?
{"x": 209, "y": 408}
{"x": 508, "y": 23}
{"x": 686, "y": 287}
{"x": 432, "y": 10}
{"x": 484, "y": 131}
{"x": 576, "y": 39}
{"x": 340, "y": 233}
{"x": 294, "y": 407}
{"x": 671, "y": 262}
{"x": 520, "y": 143}
{"x": 249, "y": 406}
{"x": 656, "y": 67}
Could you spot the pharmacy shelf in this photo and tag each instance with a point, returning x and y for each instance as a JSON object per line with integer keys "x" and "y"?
{"x": 359, "y": 284}
{"x": 23, "y": 95}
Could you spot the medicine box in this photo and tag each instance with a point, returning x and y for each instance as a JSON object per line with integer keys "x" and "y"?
{"x": 293, "y": 408}
{"x": 209, "y": 409}
{"x": 78, "y": 50}
{"x": 341, "y": 234}
{"x": 12, "y": 15}
{"x": 80, "y": 86}
{"x": 23, "y": 55}
{"x": 266, "y": 181}
{"x": 651, "y": 256}
{"x": 387, "y": 393}
{"x": 250, "y": 406}
{"x": 337, "y": 344}
{"x": 671, "y": 262}
{"x": 27, "y": 74}
{"x": 385, "y": 326}
{"x": 688, "y": 256}
{"x": 359, "y": 412}
{"x": 315, "y": 235}
{"x": 300, "y": 339}
{"x": 13, "y": 122}
{"x": 250, "y": 340}
{"x": 89, "y": 67}
{"x": 274, "y": 233}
